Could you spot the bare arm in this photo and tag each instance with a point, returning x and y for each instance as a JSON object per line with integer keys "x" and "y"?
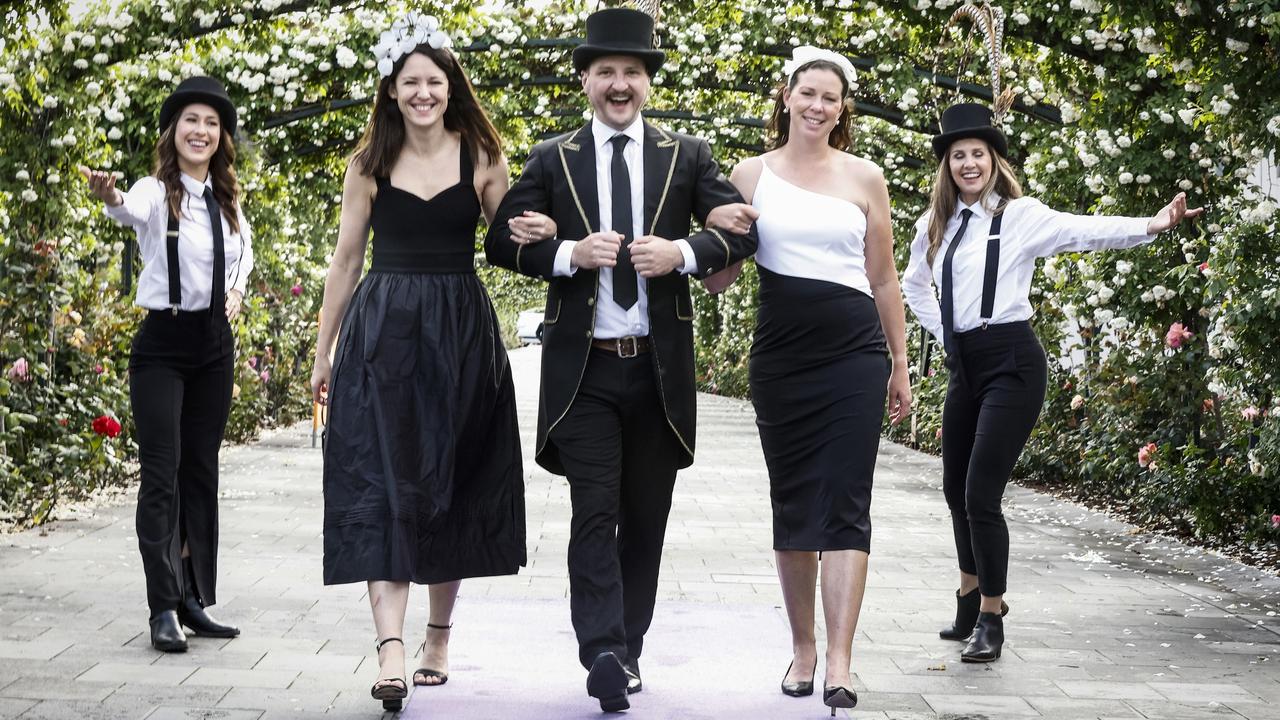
{"x": 883, "y": 276}
{"x": 344, "y": 271}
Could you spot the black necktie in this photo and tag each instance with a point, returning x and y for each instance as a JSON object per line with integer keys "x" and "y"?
{"x": 948, "y": 305}
{"x": 625, "y": 293}
{"x": 218, "y": 298}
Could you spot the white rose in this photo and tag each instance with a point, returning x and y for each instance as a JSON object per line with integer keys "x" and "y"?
{"x": 81, "y": 64}
{"x": 1237, "y": 45}
{"x": 22, "y": 175}
{"x": 29, "y": 195}
{"x": 100, "y": 59}
{"x": 1185, "y": 184}
{"x": 1143, "y": 179}
{"x": 53, "y": 179}
{"x": 346, "y": 58}
{"x": 1126, "y": 178}
{"x": 1169, "y": 154}
{"x": 50, "y": 102}
{"x": 1187, "y": 115}
{"x": 114, "y": 134}
{"x": 1221, "y": 107}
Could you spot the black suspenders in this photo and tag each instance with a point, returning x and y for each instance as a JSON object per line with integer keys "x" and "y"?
{"x": 992, "y": 268}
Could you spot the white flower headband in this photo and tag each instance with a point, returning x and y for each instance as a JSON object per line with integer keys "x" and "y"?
{"x": 406, "y": 34}
{"x": 806, "y": 54}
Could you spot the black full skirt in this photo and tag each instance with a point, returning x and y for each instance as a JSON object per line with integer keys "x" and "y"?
{"x": 423, "y": 479}
{"x": 819, "y": 375}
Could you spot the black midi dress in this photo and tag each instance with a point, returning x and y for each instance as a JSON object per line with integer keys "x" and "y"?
{"x": 423, "y": 480}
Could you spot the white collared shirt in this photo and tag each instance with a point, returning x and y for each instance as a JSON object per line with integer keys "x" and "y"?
{"x": 1030, "y": 230}
{"x": 612, "y": 321}
{"x": 146, "y": 210}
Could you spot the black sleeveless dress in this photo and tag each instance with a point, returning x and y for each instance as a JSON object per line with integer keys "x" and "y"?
{"x": 423, "y": 479}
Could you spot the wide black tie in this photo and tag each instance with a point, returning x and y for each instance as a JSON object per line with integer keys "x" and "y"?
{"x": 948, "y": 305}
{"x": 218, "y": 298}
{"x": 625, "y": 293}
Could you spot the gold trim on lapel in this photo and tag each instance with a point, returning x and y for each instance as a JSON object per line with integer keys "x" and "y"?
{"x": 723, "y": 242}
{"x": 589, "y": 159}
{"x": 656, "y": 143}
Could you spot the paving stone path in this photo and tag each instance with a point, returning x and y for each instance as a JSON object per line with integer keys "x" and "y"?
{"x": 1107, "y": 622}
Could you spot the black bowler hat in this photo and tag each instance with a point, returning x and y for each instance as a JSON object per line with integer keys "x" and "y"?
{"x": 619, "y": 31}
{"x": 200, "y": 90}
{"x": 969, "y": 120}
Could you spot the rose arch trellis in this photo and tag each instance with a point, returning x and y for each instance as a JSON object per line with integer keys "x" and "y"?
{"x": 1119, "y": 104}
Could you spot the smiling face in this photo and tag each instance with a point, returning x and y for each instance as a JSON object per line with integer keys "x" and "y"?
{"x": 196, "y": 134}
{"x": 814, "y": 101}
{"x": 421, "y": 91}
{"x": 970, "y": 162}
{"x": 617, "y": 87}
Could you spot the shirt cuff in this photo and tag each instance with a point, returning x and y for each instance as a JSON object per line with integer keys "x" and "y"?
{"x": 120, "y": 213}
{"x": 690, "y": 260}
{"x": 563, "y": 266}
{"x": 1138, "y": 228}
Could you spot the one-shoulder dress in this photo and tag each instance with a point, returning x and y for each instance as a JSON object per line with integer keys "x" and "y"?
{"x": 819, "y": 368}
{"x": 423, "y": 480}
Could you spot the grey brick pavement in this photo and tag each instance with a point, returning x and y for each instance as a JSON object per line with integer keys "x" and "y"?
{"x": 1107, "y": 622}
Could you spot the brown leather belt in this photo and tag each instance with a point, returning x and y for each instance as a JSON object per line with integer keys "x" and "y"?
{"x": 625, "y": 347}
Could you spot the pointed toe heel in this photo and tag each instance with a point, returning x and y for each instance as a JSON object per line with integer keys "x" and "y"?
{"x": 800, "y": 688}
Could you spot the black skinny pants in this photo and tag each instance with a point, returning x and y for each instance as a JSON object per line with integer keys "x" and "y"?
{"x": 180, "y": 377}
{"x": 996, "y": 390}
{"x": 620, "y": 456}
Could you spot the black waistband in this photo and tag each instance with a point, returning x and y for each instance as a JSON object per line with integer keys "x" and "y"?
{"x": 1019, "y": 331}
{"x": 417, "y": 262}
{"x": 201, "y": 315}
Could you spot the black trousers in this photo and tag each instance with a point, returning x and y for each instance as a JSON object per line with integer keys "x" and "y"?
{"x": 620, "y": 455}
{"x": 996, "y": 390}
{"x": 180, "y": 377}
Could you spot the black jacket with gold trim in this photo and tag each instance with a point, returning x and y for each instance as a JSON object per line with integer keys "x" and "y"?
{"x": 682, "y": 181}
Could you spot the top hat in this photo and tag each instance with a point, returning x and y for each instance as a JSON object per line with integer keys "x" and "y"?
{"x": 618, "y": 31}
{"x": 199, "y": 90}
{"x": 969, "y": 120}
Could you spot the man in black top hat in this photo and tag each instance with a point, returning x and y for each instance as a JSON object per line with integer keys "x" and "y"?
{"x": 617, "y": 410}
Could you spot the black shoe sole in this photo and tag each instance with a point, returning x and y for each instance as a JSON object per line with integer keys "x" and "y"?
{"x": 227, "y": 635}
{"x": 170, "y": 647}
{"x": 977, "y": 659}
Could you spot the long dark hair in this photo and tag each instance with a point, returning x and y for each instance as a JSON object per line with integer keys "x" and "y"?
{"x": 384, "y": 135}
{"x": 778, "y": 131}
{"x": 226, "y": 186}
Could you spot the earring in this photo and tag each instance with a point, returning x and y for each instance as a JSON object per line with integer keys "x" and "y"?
{"x": 785, "y": 110}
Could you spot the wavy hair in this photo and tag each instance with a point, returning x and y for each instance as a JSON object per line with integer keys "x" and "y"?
{"x": 778, "y": 130}
{"x": 222, "y": 167}
{"x": 384, "y": 135}
{"x": 942, "y": 203}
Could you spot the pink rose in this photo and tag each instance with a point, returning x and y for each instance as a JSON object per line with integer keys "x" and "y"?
{"x": 1146, "y": 455}
{"x": 253, "y": 362}
{"x": 98, "y": 369}
{"x": 1275, "y": 521}
{"x": 1203, "y": 266}
{"x": 20, "y": 371}
{"x": 296, "y": 290}
{"x": 938, "y": 434}
{"x": 1177, "y": 335}
{"x": 1250, "y": 413}
{"x": 265, "y": 376}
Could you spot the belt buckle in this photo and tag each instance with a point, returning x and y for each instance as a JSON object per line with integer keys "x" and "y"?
{"x": 984, "y": 324}
{"x": 174, "y": 309}
{"x": 623, "y": 342}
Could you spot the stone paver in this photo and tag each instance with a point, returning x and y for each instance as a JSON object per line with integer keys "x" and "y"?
{"x": 1107, "y": 622}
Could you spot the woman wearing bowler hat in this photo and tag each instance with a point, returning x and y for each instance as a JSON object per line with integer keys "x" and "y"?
{"x": 978, "y": 245}
{"x": 196, "y": 257}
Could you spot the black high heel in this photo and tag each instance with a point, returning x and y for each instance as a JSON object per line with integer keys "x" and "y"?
{"x": 427, "y": 672}
{"x": 801, "y": 688}
{"x": 836, "y": 696}
{"x": 392, "y": 696}
{"x": 967, "y": 606}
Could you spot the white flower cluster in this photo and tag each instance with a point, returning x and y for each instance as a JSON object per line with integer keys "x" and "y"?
{"x": 406, "y": 34}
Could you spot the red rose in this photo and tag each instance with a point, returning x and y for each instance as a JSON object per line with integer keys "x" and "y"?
{"x": 106, "y": 425}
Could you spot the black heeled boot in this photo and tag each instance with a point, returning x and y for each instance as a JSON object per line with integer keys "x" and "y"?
{"x": 166, "y": 633}
{"x": 192, "y": 614}
{"x": 986, "y": 641}
{"x": 966, "y": 616}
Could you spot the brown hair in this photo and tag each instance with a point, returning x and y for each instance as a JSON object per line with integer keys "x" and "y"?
{"x": 778, "y": 130}
{"x": 222, "y": 166}
{"x": 384, "y": 135}
{"x": 942, "y": 203}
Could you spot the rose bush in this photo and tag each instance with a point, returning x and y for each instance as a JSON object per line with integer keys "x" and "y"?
{"x": 1119, "y": 106}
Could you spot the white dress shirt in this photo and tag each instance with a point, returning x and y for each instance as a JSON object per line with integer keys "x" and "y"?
{"x": 1030, "y": 230}
{"x": 612, "y": 321}
{"x": 146, "y": 210}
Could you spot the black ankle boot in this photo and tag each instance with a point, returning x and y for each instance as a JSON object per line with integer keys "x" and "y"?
{"x": 192, "y": 614}
{"x": 166, "y": 633}
{"x": 986, "y": 641}
{"x": 967, "y": 615}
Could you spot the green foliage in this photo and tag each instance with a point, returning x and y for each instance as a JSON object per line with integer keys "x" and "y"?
{"x": 1120, "y": 105}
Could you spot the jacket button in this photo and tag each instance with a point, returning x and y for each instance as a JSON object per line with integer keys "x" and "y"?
{"x": 588, "y": 333}
{"x": 591, "y": 301}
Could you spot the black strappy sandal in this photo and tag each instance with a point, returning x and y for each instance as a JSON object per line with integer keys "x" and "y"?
{"x": 391, "y": 694}
{"x": 426, "y": 672}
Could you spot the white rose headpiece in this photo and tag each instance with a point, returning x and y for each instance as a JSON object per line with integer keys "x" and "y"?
{"x": 406, "y": 34}
{"x": 806, "y": 54}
